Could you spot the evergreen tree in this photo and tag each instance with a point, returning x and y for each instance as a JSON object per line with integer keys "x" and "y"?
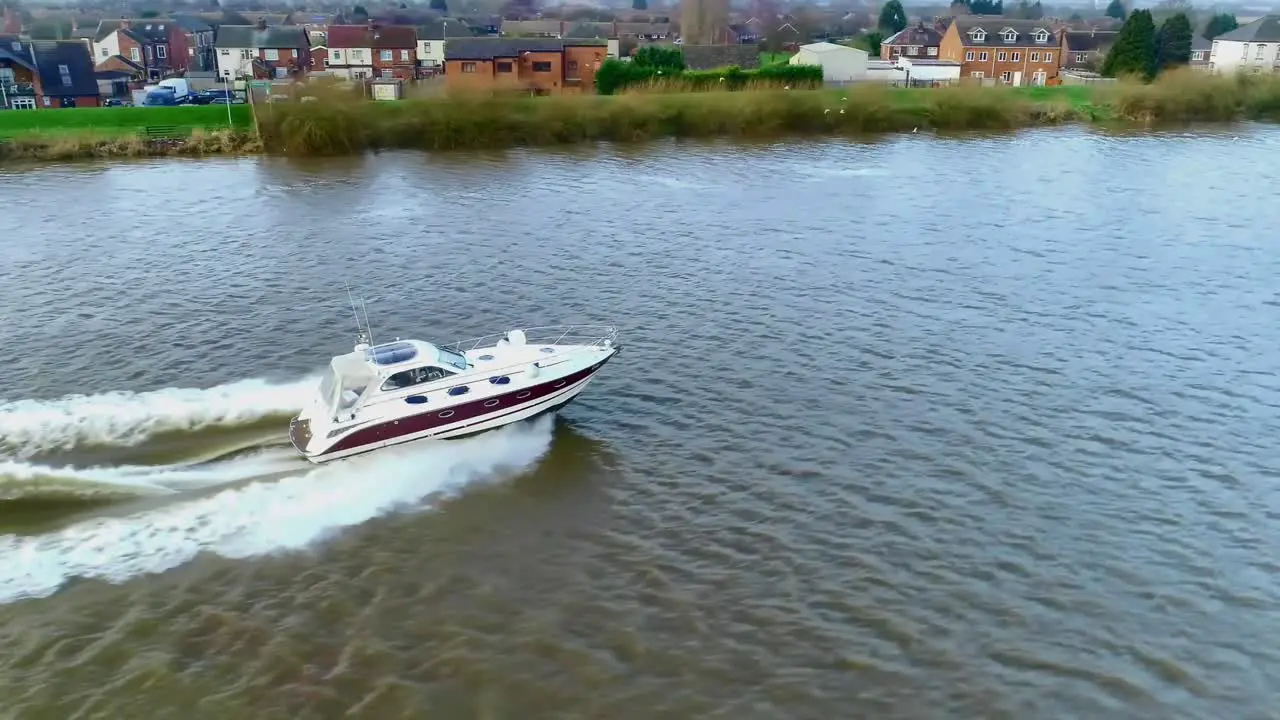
{"x": 1134, "y": 52}
{"x": 1115, "y": 10}
{"x": 1173, "y": 44}
{"x": 1218, "y": 24}
{"x": 639, "y": 4}
{"x": 986, "y": 7}
{"x": 893, "y": 18}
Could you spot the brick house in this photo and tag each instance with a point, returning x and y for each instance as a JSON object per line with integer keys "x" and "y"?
{"x": 1013, "y": 52}
{"x": 46, "y": 74}
{"x": 917, "y": 41}
{"x": 395, "y": 52}
{"x": 541, "y": 66}
{"x": 144, "y": 42}
{"x": 1086, "y": 49}
{"x": 261, "y": 52}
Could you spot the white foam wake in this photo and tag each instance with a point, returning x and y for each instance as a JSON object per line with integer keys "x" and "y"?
{"x": 21, "y": 481}
{"x": 29, "y": 427}
{"x": 262, "y": 517}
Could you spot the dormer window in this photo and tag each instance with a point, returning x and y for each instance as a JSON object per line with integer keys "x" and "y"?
{"x": 1042, "y": 35}
{"x": 1010, "y": 35}
{"x": 978, "y": 35}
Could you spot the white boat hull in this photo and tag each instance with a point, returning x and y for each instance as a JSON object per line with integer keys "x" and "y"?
{"x": 470, "y": 427}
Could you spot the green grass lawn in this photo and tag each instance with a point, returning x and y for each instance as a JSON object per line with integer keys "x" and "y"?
{"x": 118, "y": 121}
{"x": 771, "y": 58}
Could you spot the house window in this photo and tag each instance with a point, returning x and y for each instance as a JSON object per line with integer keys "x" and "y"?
{"x": 134, "y": 55}
{"x": 542, "y": 67}
{"x": 1258, "y": 55}
{"x": 1010, "y": 35}
{"x": 1006, "y": 77}
{"x": 388, "y": 74}
{"x": 1080, "y": 57}
{"x": 1016, "y": 57}
{"x": 426, "y": 47}
{"x": 913, "y": 50}
{"x": 573, "y": 66}
{"x": 470, "y": 66}
{"x": 224, "y": 52}
{"x": 504, "y": 66}
{"x": 337, "y": 55}
{"x": 162, "y": 51}
{"x": 976, "y": 75}
{"x": 1001, "y": 56}
{"x": 65, "y": 72}
{"x": 1042, "y": 35}
{"x": 1035, "y": 57}
{"x": 1048, "y": 57}
{"x": 983, "y": 56}
{"x": 105, "y": 53}
{"x": 1244, "y": 52}
{"x": 404, "y": 55}
{"x": 271, "y": 55}
{"x": 978, "y": 35}
{"x": 245, "y": 54}
{"x": 933, "y": 52}
{"x": 357, "y": 55}
{"x": 149, "y": 53}
{"x": 386, "y": 56}
{"x": 968, "y": 55}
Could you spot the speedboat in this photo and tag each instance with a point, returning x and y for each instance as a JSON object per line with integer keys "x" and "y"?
{"x": 405, "y": 390}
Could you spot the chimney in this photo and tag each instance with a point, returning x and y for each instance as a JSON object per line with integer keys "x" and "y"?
{"x": 126, "y": 23}
{"x": 261, "y": 24}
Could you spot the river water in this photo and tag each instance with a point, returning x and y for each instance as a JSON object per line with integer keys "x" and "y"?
{"x": 926, "y": 427}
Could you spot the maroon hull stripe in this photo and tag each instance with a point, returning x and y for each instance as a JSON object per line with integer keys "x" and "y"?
{"x": 392, "y": 429}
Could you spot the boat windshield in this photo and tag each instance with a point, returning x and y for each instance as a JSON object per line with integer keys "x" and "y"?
{"x": 345, "y": 382}
{"x": 452, "y": 358}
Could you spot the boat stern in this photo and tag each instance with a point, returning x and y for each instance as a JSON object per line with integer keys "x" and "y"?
{"x": 300, "y": 433}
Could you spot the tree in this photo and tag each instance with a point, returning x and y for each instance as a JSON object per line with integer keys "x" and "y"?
{"x": 986, "y": 7}
{"x": 440, "y": 6}
{"x": 1218, "y": 24}
{"x": 1026, "y": 11}
{"x": 1134, "y": 52}
{"x": 360, "y": 12}
{"x": 639, "y": 4}
{"x": 1173, "y": 44}
{"x": 873, "y": 40}
{"x": 659, "y": 58}
{"x": 1115, "y": 10}
{"x": 892, "y": 18}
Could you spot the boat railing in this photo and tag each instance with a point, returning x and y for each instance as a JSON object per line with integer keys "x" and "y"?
{"x": 587, "y": 335}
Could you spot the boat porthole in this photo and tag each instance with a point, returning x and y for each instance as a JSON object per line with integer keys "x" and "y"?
{"x": 548, "y": 350}
{"x": 490, "y": 403}
{"x": 485, "y": 357}
{"x": 560, "y": 384}
{"x": 446, "y": 413}
{"x": 523, "y": 395}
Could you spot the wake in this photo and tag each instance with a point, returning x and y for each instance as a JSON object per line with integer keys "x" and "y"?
{"x": 30, "y": 428}
{"x": 264, "y": 516}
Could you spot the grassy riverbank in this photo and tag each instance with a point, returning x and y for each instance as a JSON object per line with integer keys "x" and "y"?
{"x": 339, "y": 125}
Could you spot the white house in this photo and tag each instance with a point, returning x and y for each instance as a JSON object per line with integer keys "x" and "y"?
{"x": 839, "y": 63}
{"x": 1254, "y": 48}
{"x": 432, "y": 38}
{"x": 350, "y": 51}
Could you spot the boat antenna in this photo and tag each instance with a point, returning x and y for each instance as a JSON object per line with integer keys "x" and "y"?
{"x": 362, "y": 335}
{"x": 368, "y": 327}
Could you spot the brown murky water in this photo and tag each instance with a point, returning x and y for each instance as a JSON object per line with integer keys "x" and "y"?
{"x": 922, "y": 428}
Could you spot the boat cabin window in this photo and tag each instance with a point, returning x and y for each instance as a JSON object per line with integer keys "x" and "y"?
{"x": 416, "y": 376}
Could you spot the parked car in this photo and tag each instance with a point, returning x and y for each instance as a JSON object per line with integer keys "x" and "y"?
{"x": 116, "y": 102}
